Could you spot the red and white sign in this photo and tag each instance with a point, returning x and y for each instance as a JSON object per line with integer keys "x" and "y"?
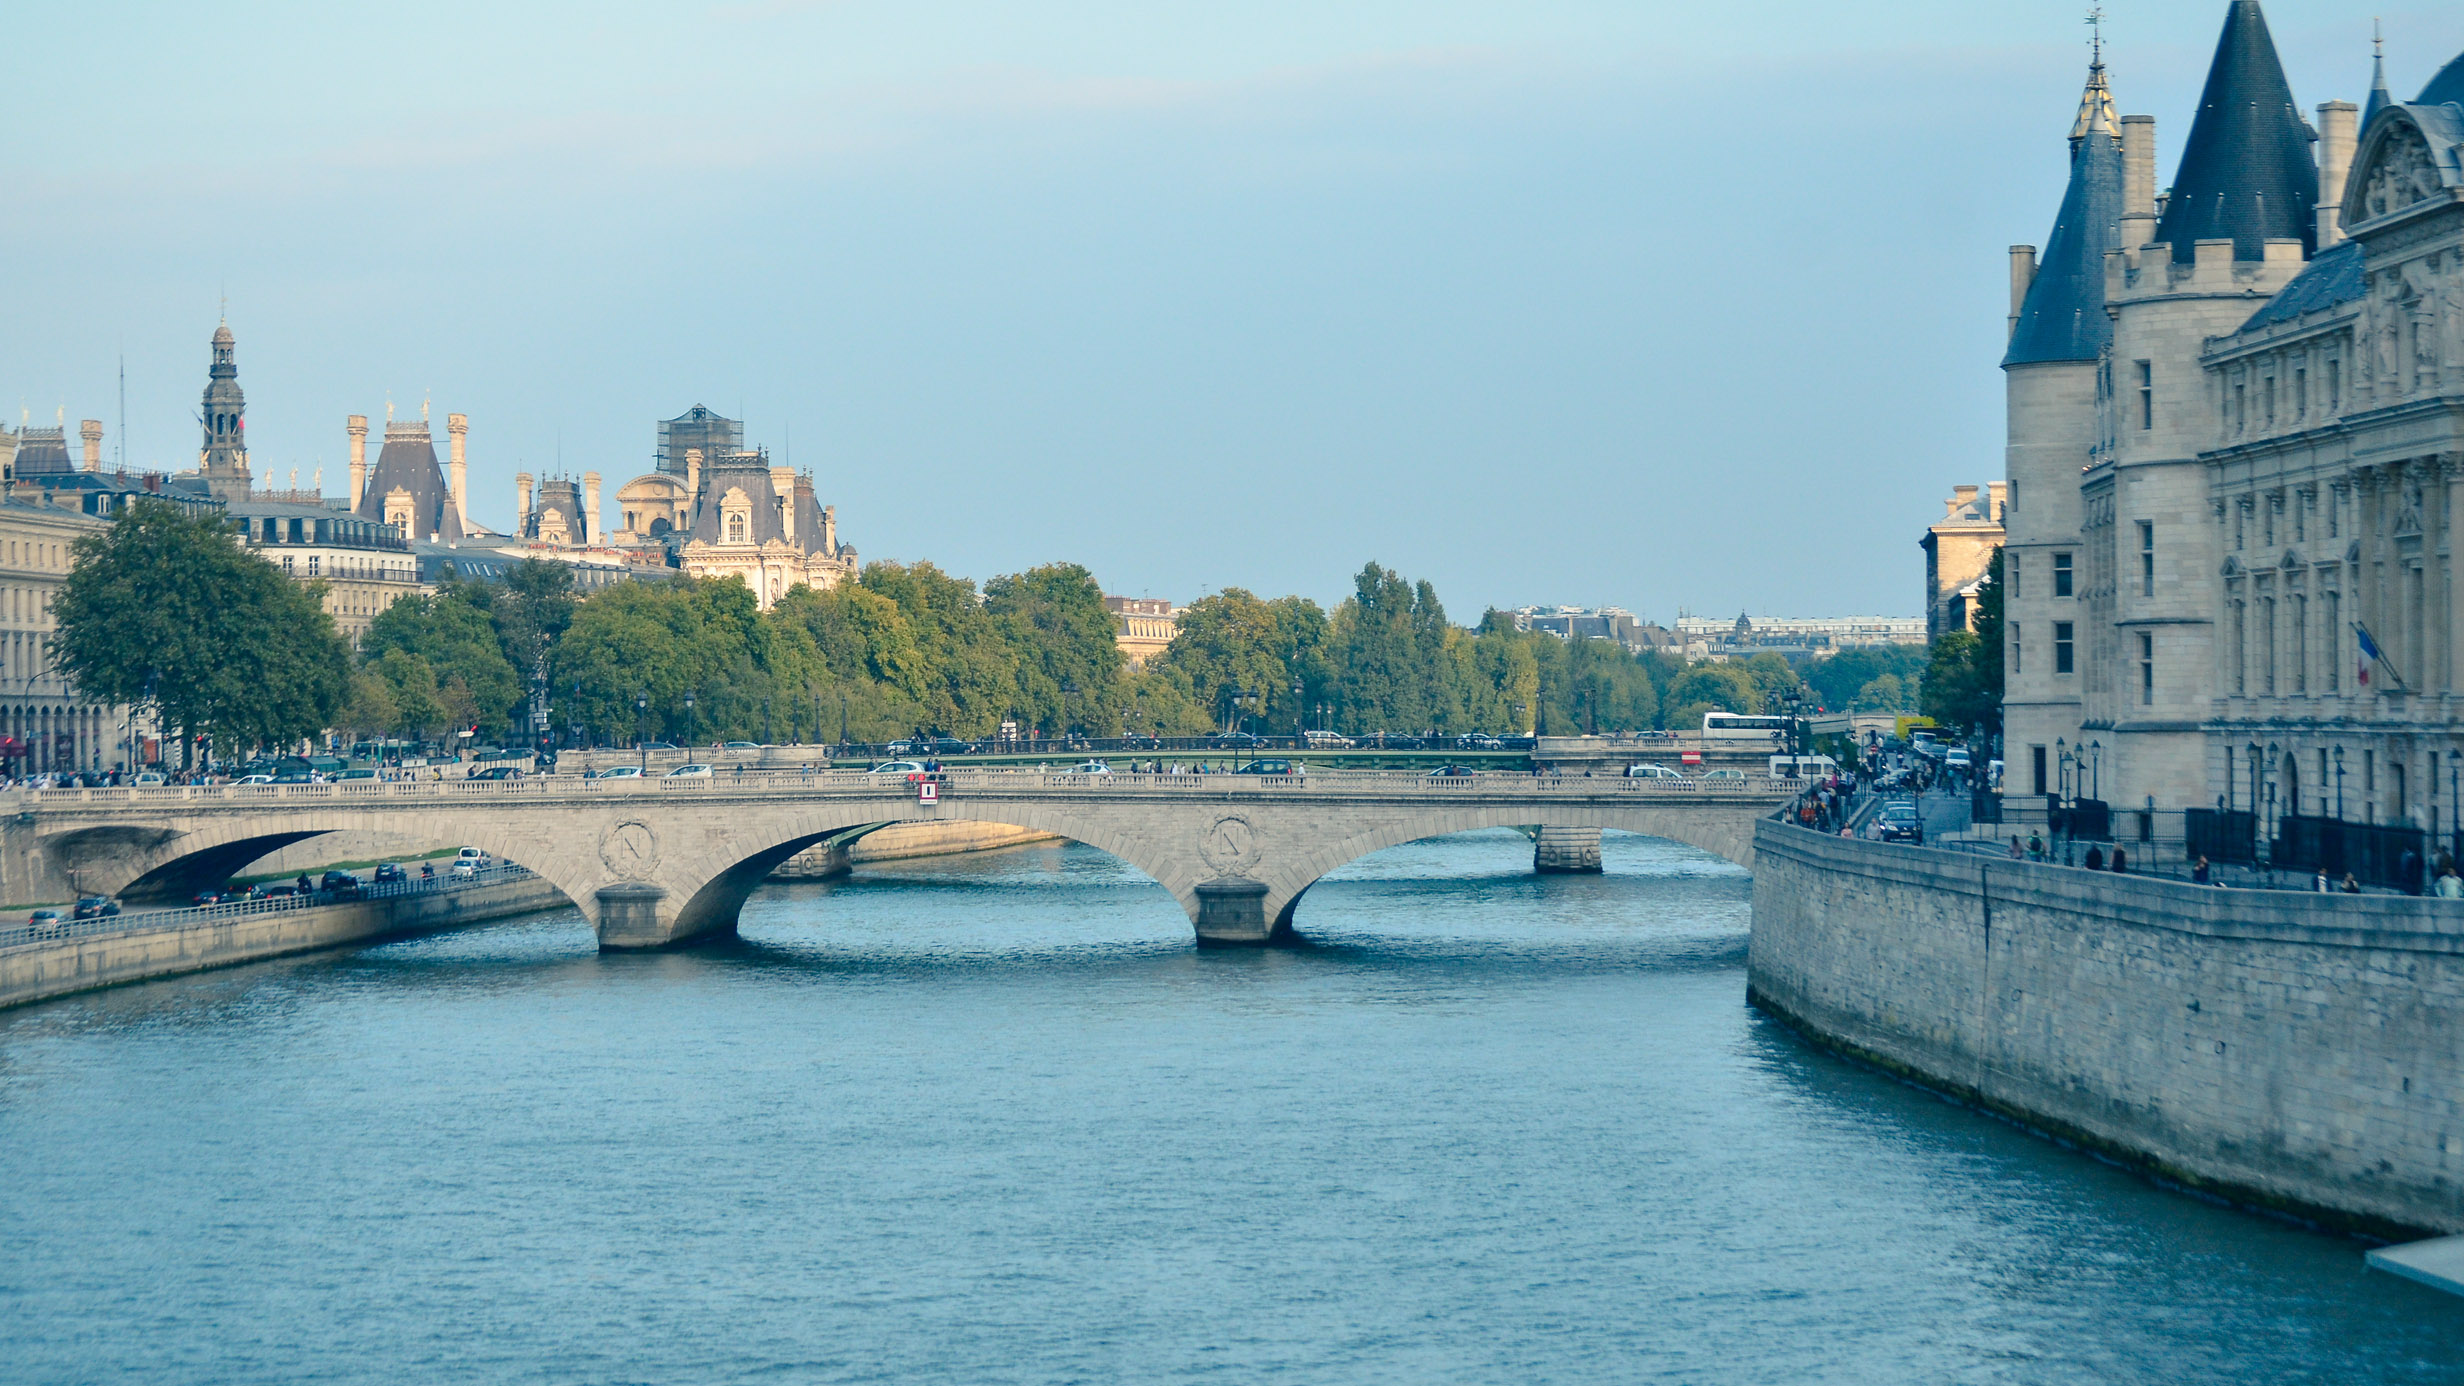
{"x": 927, "y": 792}
{"x": 1690, "y": 758}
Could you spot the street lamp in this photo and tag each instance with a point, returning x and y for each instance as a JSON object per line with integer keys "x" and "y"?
{"x": 690, "y": 725}
{"x": 641, "y": 740}
{"x": 2096, "y": 770}
{"x": 1300, "y": 716}
{"x": 2061, "y": 760}
{"x": 2255, "y": 768}
{"x": 2455, "y": 806}
{"x": 2339, "y": 784}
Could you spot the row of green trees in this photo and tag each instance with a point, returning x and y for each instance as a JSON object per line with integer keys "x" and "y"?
{"x": 165, "y": 610}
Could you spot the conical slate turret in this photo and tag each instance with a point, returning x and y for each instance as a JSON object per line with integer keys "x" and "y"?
{"x": 2246, "y": 172}
{"x": 2380, "y": 98}
{"x": 2063, "y": 317}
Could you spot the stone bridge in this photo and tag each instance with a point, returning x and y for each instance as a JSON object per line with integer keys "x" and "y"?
{"x": 660, "y": 861}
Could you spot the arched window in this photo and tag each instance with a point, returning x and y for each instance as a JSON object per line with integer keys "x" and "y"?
{"x": 735, "y": 529}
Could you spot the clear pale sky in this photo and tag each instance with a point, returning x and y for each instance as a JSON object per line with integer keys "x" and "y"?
{"x": 1558, "y": 301}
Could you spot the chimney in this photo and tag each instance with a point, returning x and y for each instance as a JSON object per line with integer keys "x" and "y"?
{"x": 521, "y": 504}
{"x": 1961, "y": 498}
{"x": 2023, "y": 274}
{"x": 829, "y": 530}
{"x": 92, "y": 431}
{"x": 783, "y": 485}
{"x": 2339, "y": 131}
{"x": 357, "y": 427}
{"x": 589, "y": 530}
{"x": 692, "y": 476}
{"x": 2138, "y": 181}
{"x": 458, "y": 471}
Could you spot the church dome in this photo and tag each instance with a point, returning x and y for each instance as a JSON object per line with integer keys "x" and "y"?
{"x": 2447, "y": 86}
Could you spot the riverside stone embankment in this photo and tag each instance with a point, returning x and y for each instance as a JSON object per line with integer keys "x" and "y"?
{"x": 2289, "y": 1050}
{"x": 56, "y": 967}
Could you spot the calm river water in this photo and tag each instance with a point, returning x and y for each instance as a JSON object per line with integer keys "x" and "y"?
{"x": 994, "y": 1120}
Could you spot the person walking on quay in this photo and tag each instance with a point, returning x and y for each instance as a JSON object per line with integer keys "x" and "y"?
{"x": 2036, "y": 846}
{"x": 2018, "y": 852}
{"x": 2320, "y": 883}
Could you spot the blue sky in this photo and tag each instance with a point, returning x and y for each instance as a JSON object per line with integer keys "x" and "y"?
{"x": 1668, "y": 307}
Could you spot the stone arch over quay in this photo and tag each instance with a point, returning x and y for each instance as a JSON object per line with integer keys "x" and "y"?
{"x": 661, "y": 862}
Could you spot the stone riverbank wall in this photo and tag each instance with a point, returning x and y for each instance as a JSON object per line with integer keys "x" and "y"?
{"x": 2279, "y": 1048}
{"x": 34, "y": 971}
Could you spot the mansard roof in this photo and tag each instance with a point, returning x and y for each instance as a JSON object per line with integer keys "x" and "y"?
{"x": 2333, "y": 277}
{"x": 409, "y": 463}
{"x": 2246, "y": 173}
{"x": 746, "y": 472}
{"x": 2063, "y": 316}
{"x": 2447, "y": 86}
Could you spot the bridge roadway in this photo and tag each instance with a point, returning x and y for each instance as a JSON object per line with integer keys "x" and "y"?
{"x": 662, "y": 861}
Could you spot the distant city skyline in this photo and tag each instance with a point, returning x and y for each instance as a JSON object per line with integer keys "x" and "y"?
{"x": 1674, "y": 308}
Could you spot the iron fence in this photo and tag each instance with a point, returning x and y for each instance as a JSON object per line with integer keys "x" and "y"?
{"x": 139, "y": 921}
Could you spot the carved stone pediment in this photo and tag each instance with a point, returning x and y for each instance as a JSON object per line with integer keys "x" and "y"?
{"x": 2232, "y": 567}
{"x": 2403, "y": 173}
{"x": 2292, "y": 559}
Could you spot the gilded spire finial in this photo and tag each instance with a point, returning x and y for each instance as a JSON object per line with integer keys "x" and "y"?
{"x": 2096, "y": 103}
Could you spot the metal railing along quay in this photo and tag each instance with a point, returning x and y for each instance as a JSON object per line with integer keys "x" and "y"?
{"x": 139, "y": 921}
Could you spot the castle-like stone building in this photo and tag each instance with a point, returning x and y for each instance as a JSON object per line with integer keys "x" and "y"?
{"x": 2236, "y": 438}
{"x": 715, "y": 509}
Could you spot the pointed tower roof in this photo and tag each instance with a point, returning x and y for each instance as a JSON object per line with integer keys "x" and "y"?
{"x": 2246, "y": 172}
{"x": 2063, "y": 317}
{"x": 2380, "y": 98}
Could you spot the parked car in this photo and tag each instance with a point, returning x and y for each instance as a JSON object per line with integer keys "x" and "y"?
{"x": 1269, "y": 767}
{"x": 498, "y": 772}
{"x": 948, "y": 746}
{"x": 44, "y": 923}
{"x": 695, "y": 771}
{"x": 1724, "y": 774}
{"x": 1651, "y": 772}
{"x": 1477, "y": 741}
{"x": 1089, "y": 767}
{"x": 743, "y": 746}
{"x": 339, "y": 883}
{"x": 1325, "y": 740}
{"x": 898, "y": 767}
{"x": 391, "y": 873}
{"x": 621, "y": 772}
{"x": 95, "y": 907}
{"x": 1139, "y": 741}
{"x": 149, "y": 779}
{"x": 1238, "y": 740}
{"x": 1447, "y": 772}
{"x": 254, "y": 779}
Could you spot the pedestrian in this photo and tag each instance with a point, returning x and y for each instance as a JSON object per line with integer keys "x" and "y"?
{"x": 2450, "y": 886}
{"x": 2408, "y": 869}
{"x": 2096, "y": 858}
{"x": 2320, "y": 883}
{"x": 2351, "y": 886}
{"x": 2121, "y": 865}
{"x": 2036, "y": 846}
{"x": 2198, "y": 872}
{"x": 2017, "y": 852}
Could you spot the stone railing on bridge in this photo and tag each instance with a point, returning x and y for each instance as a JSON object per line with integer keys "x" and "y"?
{"x": 654, "y": 861}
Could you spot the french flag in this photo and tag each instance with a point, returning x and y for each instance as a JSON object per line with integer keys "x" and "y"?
{"x": 2369, "y": 653}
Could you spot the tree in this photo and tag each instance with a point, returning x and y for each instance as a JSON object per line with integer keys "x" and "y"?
{"x": 1963, "y": 678}
{"x": 167, "y": 610}
{"x": 1063, "y": 644}
{"x": 1226, "y": 644}
{"x": 1883, "y": 694}
{"x": 453, "y": 634}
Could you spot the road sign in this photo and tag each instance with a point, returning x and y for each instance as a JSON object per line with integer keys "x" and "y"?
{"x": 927, "y": 792}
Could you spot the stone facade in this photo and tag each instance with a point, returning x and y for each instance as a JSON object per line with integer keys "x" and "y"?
{"x": 1959, "y": 548}
{"x": 1145, "y": 626}
{"x": 715, "y": 510}
{"x": 2245, "y": 470}
{"x": 41, "y": 714}
{"x": 2272, "y": 1046}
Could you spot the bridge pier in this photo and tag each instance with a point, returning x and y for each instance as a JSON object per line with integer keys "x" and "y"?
{"x": 1566, "y": 851}
{"x": 1232, "y": 914}
{"x": 629, "y": 918}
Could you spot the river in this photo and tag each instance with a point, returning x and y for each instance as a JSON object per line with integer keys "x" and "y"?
{"x": 993, "y": 1119}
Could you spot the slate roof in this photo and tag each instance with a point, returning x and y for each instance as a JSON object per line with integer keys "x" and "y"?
{"x": 43, "y": 450}
{"x": 2447, "y": 86}
{"x": 409, "y": 462}
{"x": 2246, "y": 172}
{"x": 749, "y": 473}
{"x": 2333, "y": 277}
{"x": 2380, "y": 97}
{"x": 2063, "y": 316}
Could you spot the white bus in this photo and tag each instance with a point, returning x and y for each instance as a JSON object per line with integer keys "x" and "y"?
{"x": 1731, "y": 726}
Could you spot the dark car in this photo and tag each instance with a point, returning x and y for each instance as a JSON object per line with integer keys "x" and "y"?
{"x": 1139, "y": 742}
{"x": 1517, "y": 743}
{"x": 1267, "y": 767}
{"x": 339, "y": 883}
{"x": 294, "y": 777}
{"x": 43, "y": 923}
{"x": 499, "y": 772}
{"x": 95, "y": 907}
{"x": 1900, "y": 822}
{"x": 1239, "y": 739}
{"x": 272, "y": 892}
{"x": 948, "y": 746}
{"x": 210, "y": 897}
{"x": 1477, "y": 741}
{"x": 390, "y": 873}
{"x": 1447, "y": 772}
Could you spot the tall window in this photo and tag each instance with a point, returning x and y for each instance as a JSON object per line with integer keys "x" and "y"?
{"x": 2335, "y": 385}
{"x": 2267, "y": 644}
{"x": 2301, "y": 643}
{"x": 2147, "y": 558}
{"x": 2301, "y": 392}
{"x": 2061, "y": 647}
{"x": 2241, "y": 647}
{"x": 2147, "y": 395}
{"x": 2015, "y": 643}
{"x": 2268, "y": 393}
{"x": 735, "y": 529}
{"x": 2331, "y": 640}
{"x": 2241, "y": 407}
{"x": 2147, "y": 667}
{"x": 2061, "y": 575}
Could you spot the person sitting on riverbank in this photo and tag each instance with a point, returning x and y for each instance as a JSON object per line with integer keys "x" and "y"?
{"x": 2121, "y": 864}
{"x": 2351, "y": 886}
{"x": 2199, "y": 872}
{"x": 2449, "y": 885}
{"x": 2096, "y": 857}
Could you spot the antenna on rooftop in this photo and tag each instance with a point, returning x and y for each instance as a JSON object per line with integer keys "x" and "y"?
{"x": 2096, "y": 35}
{"x": 119, "y": 444}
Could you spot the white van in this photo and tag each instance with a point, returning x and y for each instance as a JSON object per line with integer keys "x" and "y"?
{"x": 1803, "y": 767}
{"x": 1651, "y": 772}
